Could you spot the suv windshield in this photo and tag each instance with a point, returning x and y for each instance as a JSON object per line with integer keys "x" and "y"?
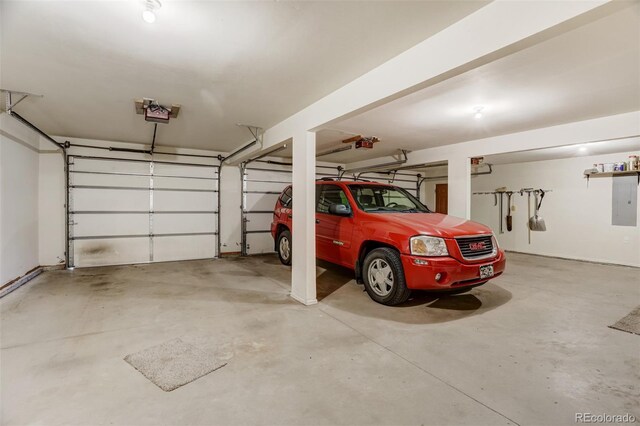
{"x": 380, "y": 199}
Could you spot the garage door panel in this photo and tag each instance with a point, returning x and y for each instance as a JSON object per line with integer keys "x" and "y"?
{"x": 259, "y": 221}
{"x": 89, "y": 179}
{"x": 111, "y": 251}
{"x": 183, "y": 223}
{"x": 269, "y": 175}
{"x": 110, "y": 224}
{"x": 184, "y": 170}
{"x": 84, "y": 199}
{"x": 259, "y": 243}
{"x": 403, "y": 182}
{"x": 261, "y": 201}
{"x": 266, "y": 186}
{"x": 182, "y": 200}
{"x": 184, "y": 247}
{"x": 110, "y": 166}
{"x": 184, "y": 183}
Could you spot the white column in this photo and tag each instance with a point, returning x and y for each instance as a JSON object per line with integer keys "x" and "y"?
{"x": 303, "y": 277}
{"x": 460, "y": 187}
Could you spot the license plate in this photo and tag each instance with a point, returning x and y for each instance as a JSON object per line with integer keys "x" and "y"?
{"x": 486, "y": 271}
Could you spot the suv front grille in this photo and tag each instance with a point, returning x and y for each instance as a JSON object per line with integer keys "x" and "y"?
{"x": 476, "y": 247}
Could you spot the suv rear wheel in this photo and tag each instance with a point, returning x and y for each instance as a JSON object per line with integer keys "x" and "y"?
{"x": 384, "y": 277}
{"x": 284, "y": 247}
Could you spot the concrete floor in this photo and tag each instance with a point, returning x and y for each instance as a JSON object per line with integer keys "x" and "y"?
{"x": 531, "y": 347}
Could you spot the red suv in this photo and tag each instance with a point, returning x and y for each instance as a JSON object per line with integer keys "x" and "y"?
{"x": 394, "y": 243}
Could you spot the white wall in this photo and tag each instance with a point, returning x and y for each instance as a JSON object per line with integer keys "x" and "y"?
{"x": 19, "y": 177}
{"x": 51, "y": 199}
{"x": 578, "y": 217}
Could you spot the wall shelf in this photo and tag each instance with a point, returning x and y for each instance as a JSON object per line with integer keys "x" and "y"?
{"x": 612, "y": 174}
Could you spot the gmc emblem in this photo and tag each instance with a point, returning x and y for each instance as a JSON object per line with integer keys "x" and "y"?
{"x": 476, "y": 246}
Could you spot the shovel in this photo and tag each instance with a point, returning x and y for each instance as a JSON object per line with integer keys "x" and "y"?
{"x": 509, "y": 217}
{"x": 501, "y": 210}
{"x": 536, "y": 222}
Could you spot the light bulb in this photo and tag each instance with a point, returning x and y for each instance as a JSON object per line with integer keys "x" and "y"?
{"x": 478, "y": 112}
{"x": 148, "y": 16}
{"x": 583, "y": 148}
{"x": 478, "y": 115}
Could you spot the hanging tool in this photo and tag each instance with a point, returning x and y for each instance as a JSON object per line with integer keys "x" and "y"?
{"x": 536, "y": 222}
{"x": 500, "y": 191}
{"x": 501, "y": 210}
{"x": 528, "y": 191}
{"x": 509, "y": 217}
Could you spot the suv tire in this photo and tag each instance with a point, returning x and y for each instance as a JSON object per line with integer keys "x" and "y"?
{"x": 384, "y": 277}
{"x": 284, "y": 247}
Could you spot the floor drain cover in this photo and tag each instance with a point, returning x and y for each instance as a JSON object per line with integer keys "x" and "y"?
{"x": 173, "y": 364}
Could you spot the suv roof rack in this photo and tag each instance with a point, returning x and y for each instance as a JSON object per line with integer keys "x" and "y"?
{"x": 355, "y": 179}
{"x": 330, "y": 179}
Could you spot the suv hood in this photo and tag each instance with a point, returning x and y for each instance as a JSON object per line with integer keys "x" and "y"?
{"x": 437, "y": 225}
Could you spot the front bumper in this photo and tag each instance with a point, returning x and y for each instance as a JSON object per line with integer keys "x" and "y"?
{"x": 455, "y": 274}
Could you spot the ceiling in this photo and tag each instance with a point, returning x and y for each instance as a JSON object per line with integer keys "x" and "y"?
{"x": 226, "y": 62}
{"x": 587, "y": 72}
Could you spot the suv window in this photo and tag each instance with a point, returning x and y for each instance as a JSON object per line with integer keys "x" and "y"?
{"x": 373, "y": 198}
{"x": 286, "y": 197}
{"x": 327, "y": 195}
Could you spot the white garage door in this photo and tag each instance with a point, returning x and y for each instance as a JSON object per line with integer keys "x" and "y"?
{"x": 262, "y": 182}
{"x": 136, "y": 211}
{"x": 407, "y": 180}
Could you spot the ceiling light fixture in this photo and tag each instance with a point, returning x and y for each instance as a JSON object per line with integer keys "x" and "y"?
{"x": 149, "y": 14}
{"x": 478, "y": 112}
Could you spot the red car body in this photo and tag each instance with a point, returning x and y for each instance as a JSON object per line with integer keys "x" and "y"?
{"x": 345, "y": 240}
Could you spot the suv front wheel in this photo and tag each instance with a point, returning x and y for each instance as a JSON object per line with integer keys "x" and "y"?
{"x": 384, "y": 277}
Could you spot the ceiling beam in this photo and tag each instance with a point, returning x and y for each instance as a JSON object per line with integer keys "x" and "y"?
{"x": 494, "y": 31}
{"x": 608, "y": 128}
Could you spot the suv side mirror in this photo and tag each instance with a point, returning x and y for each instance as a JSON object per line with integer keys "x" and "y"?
{"x": 340, "y": 210}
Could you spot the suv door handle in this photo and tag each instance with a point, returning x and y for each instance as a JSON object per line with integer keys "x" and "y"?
{"x": 317, "y": 220}
{"x": 289, "y": 216}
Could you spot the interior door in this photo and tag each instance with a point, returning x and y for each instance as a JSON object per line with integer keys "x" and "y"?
{"x": 333, "y": 232}
{"x": 442, "y": 198}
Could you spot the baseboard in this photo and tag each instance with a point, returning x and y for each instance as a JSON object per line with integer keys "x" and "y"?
{"x": 230, "y": 254}
{"x": 595, "y": 262}
{"x": 54, "y": 267}
{"x": 20, "y": 281}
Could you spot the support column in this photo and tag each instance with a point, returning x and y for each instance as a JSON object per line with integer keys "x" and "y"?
{"x": 460, "y": 187}
{"x": 303, "y": 276}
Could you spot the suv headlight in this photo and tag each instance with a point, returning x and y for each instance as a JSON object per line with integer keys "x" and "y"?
{"x": 423, "y": 245}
